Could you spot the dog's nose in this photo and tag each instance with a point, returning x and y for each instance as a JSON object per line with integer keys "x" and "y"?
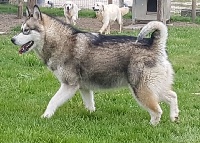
{"x": 93, "y": 7}
{"x": 13, "y": 40}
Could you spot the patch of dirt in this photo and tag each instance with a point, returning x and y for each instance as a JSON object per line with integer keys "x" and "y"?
{"x": 9, "y": 21}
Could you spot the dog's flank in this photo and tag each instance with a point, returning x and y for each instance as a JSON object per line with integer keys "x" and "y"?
{"x": 89, "y": 61}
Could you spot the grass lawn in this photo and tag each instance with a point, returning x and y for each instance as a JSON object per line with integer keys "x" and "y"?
{"x": 27, "y": 86}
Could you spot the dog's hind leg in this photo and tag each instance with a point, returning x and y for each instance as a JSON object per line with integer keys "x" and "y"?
{"x": 149, "y": 101}
{"x": 88, "y": 99}
{"x": 171, "y": 99}
{"x": 62, "y": 95}
{"x": 119, "y": 20}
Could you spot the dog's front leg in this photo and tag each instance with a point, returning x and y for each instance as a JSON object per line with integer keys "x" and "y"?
{"x": 63, "y": 94}
{"x": 73, "y": 20}
{"x": 108, "y": 29}
{"x": 105, "y": 25}
{"x": 68, "y": 20}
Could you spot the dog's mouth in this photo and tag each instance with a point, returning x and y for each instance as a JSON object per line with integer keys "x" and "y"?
{"x": 95, "y": 9}
{"x": 24, "y": 48}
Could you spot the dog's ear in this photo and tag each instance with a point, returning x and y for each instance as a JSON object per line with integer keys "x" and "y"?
{"x": 72, "y": 5}
{"x": 103, "y": 7}
{"x": 36, "y": 13}
{"x": 64, "y": 5}
{"x": 28, "y": 13}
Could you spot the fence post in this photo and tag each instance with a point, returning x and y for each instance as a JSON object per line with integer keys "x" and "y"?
{"x": 194, "y": 2}
{"x": 121, "y": 3}
{"x": 133, "y": 12}
{"x": 20, "y": 9}
{"x": 159, "y": 10}
{"x": 109, "y": 1}
{"x": 164, "y": 7}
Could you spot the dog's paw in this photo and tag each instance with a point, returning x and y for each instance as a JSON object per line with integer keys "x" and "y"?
{"x": 47, "y": 114}
{"x": 174, "y": 115}
{"x": 155, "y": 120}
{"x": 100, "y": 31}
{"x": 175, "y": 119}
{"x": 90, "y": 109}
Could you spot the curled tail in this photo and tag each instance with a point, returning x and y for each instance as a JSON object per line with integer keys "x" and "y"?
{"x": 159, "y": 33}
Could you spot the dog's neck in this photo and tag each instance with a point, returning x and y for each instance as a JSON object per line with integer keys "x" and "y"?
{"x": 57, "y": 37}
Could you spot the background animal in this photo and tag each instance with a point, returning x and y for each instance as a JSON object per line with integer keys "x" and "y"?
{"x": 71, "y": 12}
{"x": 107, "y": 14}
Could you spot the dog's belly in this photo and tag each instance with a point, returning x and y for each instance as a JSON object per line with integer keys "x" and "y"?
{"x": 104, "y": 80}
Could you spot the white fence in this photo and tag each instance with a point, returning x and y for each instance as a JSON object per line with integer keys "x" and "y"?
{"x": 86, "y": 4}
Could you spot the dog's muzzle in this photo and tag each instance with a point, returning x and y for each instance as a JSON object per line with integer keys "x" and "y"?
{"x": 95, "y": 9}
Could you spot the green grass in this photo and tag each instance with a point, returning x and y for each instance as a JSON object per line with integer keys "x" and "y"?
{"x": 27, "y": 86}
{"x": 7, "y": 8}
{"x": 177, "y": 18}
{"x": 12, "y": 9}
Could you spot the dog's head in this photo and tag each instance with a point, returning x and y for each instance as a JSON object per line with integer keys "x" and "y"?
{"x": 68, "y": 5}
{"x": 98, "y": 6}
{"x": 31, "y": 32}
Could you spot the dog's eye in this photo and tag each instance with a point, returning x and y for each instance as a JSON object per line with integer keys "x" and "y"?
{"x": 26, "y": 31}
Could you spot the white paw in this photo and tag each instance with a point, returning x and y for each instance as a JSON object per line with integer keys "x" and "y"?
{"x": 106, "y": 33}
{"x": 47, "y": 114}
{"x": 154, "y": 122}
{"x": 91, "y": 108}
{"x": 100, "y": 31}
{"x": 174, "y": 116}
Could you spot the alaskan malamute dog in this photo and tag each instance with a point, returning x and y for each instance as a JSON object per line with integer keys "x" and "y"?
{"x": 87, "y": 61}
